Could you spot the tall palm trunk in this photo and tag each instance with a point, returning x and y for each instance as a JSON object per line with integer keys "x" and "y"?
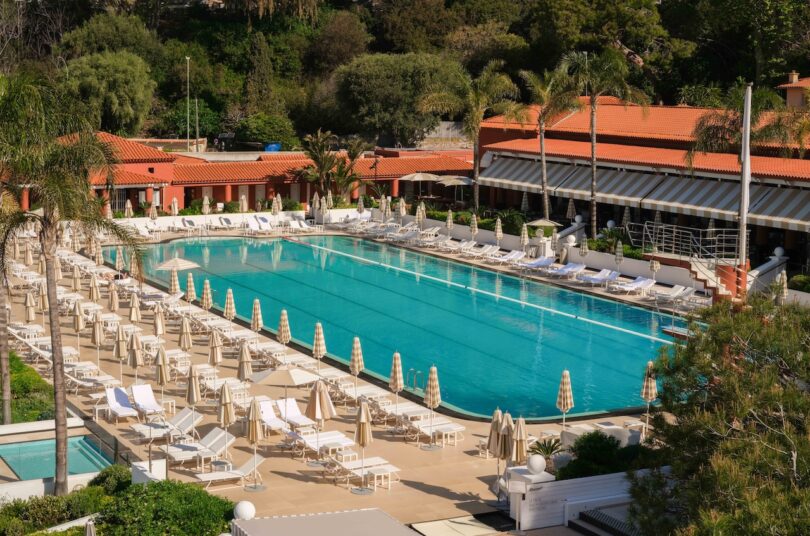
{"x": 5, "y": 371}
{"x": 593, "y": 168}
{"x": 49, "y": 241}
{"x": 476, "y": 167}
{"x": 544, "y": 172}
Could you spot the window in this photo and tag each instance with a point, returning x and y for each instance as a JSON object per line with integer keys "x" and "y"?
{"x": 118, "y": 200}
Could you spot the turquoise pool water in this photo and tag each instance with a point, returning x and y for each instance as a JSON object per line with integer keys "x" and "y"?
{"x": 497, "y": 340}
{"x": 37, "y": 459}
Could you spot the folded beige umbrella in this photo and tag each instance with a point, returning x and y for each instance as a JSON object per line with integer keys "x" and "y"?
{"x": 356, "y": 364}
{"x": 185, "y": 341}
{"x": 113, "y": 299}
{"x": 433, "y": 400}
{"x": 318, "y": 345}
{"x": 214, "y": 349}
{"x": 97, "y": 336}
{"x": 76, "y": 282}
{"x": 29, "y": 255}
{"x": 119, "y": 258}
{"x": 159, "y": 323}
{"x": 31, "y": 308}
{"x": 153, "y": 214}
{"x": 245, "y": 370}
{"x": 192, "y": 393}
{"x": 283, "y": 334}
{"x": 77, "y": 244}
{"x": 230, "y": 307}
{"x": 191, "y": 292}
{"x": 320, "y": 407}
{"x": 498, "y": 231}
{"x": 256, "y": 323}
{"x": 57, "y": 269}
{"x": 206, "y": 206}
{"x": 505, "y": 440}
{"x": 565, "y": 396}
{"x": 524, "y": 236}
{"x": 78, "y": 322}
{"x": 41, "y": 264}
{"x": 206, "y": 302}
{"x": 99, "y": 256}
{"x": 493, "y": 440}
{"x": 133, "y": 265}
{"x": 120, "y": 350}
{"x": 161, "y": 369}
{"x": 135, "y": 354}
{"x": 395, "y": 380}
{"x": 15, "y": 248}
{"x": 42, "y": 301}
{"x": 255, "y": 433}
{"x": 520, "y": 446}
{"x": 363, "y": 438}
{"x": 95, "y": 292}
{"x": 128, "y": 213}
{"x": 174, "y": 283}
{"x": 473, "y": 226}
{"x": 225, "y": 412}
{"x": 134, "y": 308}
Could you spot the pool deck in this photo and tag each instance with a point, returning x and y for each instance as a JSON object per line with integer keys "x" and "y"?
{"x": 447, "y": 483}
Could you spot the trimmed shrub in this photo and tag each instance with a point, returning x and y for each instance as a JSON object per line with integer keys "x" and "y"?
{"x": 32, "y": 397}
{"x": 800, "y": 283}
{"x": 46, "y": 511}
{"x": 113, "y": 479}
{"x": 288, "y": 204}
{"x": 599, "y": 454}
{"x": 166, "y": 507}
{"x": 85, "y": 501}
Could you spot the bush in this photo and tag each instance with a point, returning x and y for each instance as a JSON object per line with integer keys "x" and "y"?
{"x": 165, "y": 507}
{"x": 288, "y": 204}
{"x": 32, "y": 397}
{"x": 113, "y": 479}
{"x": 194, "y": 208}
{"x": 598, "y": 454}
{"x": 800, "y": 283}
{"x": 231, "y": 207}
{"x": 46, "y": 511}
{"x": 85, "y": 501}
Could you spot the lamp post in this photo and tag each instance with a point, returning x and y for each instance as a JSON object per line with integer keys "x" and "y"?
{"x": 188, "y": 103}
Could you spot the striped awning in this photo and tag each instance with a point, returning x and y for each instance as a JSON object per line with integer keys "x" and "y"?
{"x": 578, "y": 184}
{"x": 626, "y": 188}
{"x": 697, "y": 197}
{"x": 523, "y": 175}
{"x": 783, "y": 208}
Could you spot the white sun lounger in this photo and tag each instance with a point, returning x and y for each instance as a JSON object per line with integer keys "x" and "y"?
{"x": 239, "y": 474}
{"x": 604, "y": 277}
{"x": 180, "y": 424}
{"x": 209, "y": 447}
{"x": 670, "y": 295}
{"x": 289, "y": 411}
{"x": 637, "y": 286}
{"x": 119, "y": 404}
{"x": 269, "y": 418}
{"x": 568, "y": 271}
{"x": 145, "y": 401}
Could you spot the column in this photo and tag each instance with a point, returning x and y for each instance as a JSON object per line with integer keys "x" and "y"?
{"x": 25, "y": 199}
{"x": 355, "y": 190}
{"x": 395, "y": 188}
{"x": 150, "y": 195}
{"x": 228, "y": 193}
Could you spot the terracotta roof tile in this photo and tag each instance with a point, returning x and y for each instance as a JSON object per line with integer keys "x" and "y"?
{"x": 124, "y": 177}
{"x": 398, "y": 167}
{"x": 719, "y": 163}
{"x": 185, "y": 159}
{"x": 801, "y": 83}
{"x": 130, "y": 151}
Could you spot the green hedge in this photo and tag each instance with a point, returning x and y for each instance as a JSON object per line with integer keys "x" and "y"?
{"x": 800, "y": 283}
{"x": 603, "y": 245}
{"x": 511, "y": 221}
{"x": 599, "y": 454}
{"x": 32, "y": 397}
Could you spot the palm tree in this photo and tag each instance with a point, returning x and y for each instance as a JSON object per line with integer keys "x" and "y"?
{"x": 597, "y": 76}
{"x": 56, "y": 161}
{"x": 491, "y": 92}
{"x": 549, "y": 92}
{"x": 318, "y": 147}
{"x": 344, "y": 175}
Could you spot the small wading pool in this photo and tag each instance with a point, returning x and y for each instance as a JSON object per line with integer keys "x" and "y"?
{"x": 37, "y": 459}
{"x": 497, "y": 340}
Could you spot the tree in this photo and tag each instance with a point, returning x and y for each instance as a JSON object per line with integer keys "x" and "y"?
{"x": 55, "y": 159}
{"x": 318, "y": 147}
{"x": 475, "y": 12}
{"x": 414, "y": 25}
{"x": 491, "y": 92}
{"x": 259, "y": 95}
{"x": 381, "y": 92}
{"x": 266, "y": 128}
{"x": 173, "y": 121}
{"x": 305, "y": 10}
{"x": 476, "y": 46}
{"x": 110, "y": 32}
{"x": 342, "y": 38}
{"x": 598, "y": 76}
{"x": 344, "y": 176}
{"x": 114, "y": 87}
{"x": 736, "y": 434}
{"x": 549, "y": 92}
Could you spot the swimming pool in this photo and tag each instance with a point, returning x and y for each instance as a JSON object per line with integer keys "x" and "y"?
{"x": 37, "y": 459}
{"x": 497, "y": 340}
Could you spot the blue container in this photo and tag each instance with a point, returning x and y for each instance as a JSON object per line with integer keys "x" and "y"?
{"x": 272, "y": 147}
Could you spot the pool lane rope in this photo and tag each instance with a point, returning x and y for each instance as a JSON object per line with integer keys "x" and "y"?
{"x": 418, "y": 275}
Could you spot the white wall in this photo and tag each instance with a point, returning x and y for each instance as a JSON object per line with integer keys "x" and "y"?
{"x": 39, "y": 487}
{"x": 37, "y": 426}
{"x": 164, "y": 222}
{"x": 671, "y": 275}
{"x": 802, "y": 298}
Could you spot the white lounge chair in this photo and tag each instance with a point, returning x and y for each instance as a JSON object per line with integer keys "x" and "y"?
{"x": 269, "y": 418}
{"x": 568, "y": 271}
{"x": 239, "y": 474}
{"x": 638, "y": 286}
{"x": 540, "y": 263}
{"x": 180, "y": 424}
{"x": 604, "y": 277}
{"x": 119, "y": 404}
{"x": 289, "y": 411}
{"x": 145, "y": 401}
{"x": 209, "y": 447}
{"x": 668, "y": 296}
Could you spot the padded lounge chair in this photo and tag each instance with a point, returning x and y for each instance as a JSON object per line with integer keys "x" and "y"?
{"x": 239, "y": 474}
{"x": 180, "y": 424}
{"x": 209, "y": 447}
{"x": 119, "y": 404}
{"x": 269, "y": 418}
{"x": 289, "y": 411}
{"x": 145, "y": 401}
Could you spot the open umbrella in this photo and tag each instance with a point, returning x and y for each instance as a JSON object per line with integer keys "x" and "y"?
{"x": 121, "y": 350}
{"x": 565, "y": 396}
{"x": 363, "y": 438}
{"x": 134, "y": 308}
{"x": 473, "y": 226}
{"x": 97, "y": 336}
{"x": 78, "y": 322}
{"x": 520, "y": 446}
{"x": 119, "y": 258}
{"x": 245, "y": 370}
{"x": 178, "y": 264}
{"x": 206, "y": 302}
{"x": 31, "y": 308}
{"x": 135, "y": 354}
{"x": 256, "y": 323}
{"x": 498, "y": 231}
{"x": 113, "y": 299}
{"x": 255, "y": 433}
{"x": 230, "y": 307}
{"x": 320, "y": 407}
{"x": 192, "y": 393}
{"x": 283, "y": 334}
{"x": 128, "y": 213}
{"x": 95, "y": 292}
{"x": 161, "y": 369}
{"x": 493, "y": 440}
{"x": 356, "y": 364}
{"x": 214, "y": 349}
{"x": 433, "y": 399}
{"x": 225, "y": 411}
{"x": 159, "y": 323}
{"x": 318, "y": 345}
{"x": 395, "y": 380}
{"x": 649, "y": 391}
{"x": 284, "y": 377}
{"x": 191, "y": 292}
{"x": 185, "y": 341}
{"x": 174, "y": 282}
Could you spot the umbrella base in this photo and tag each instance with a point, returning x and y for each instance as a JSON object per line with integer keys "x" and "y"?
{"x": 431, "y": 447}
{"x": 362, "y": 491}
{"x": 255, "y": 487}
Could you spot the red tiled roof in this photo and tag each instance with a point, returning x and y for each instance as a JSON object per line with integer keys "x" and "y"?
{"x": 131, "y": 152}
{"x": 719, "y": 163}
{"x": 123, "y": 177}
{"x": 800, "y": 83}
{"x": 393, "y": 168}
{"x": 185, "y": 159}
{"x": 235, "y": 172}
{"x": 286, "y": 155}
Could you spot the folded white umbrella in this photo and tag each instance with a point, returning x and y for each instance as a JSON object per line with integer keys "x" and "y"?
{"x": 356, "y": 364}
{"x": 245, "y": 370}
{"x": 174, "y": 283}
{"x": 134, "y": 308}
{"x": 498, "y": 231}
{"x": 206, "y": 206}
{"x": 395, "y": 380}
{"x": 191, "y": 292}
{"x": 256, "y": 322}
{"x": 473, "y": 226}
{"x": 433, "y": 399}
{"x": 30, "y": 308}
{"x": 128, "y": 209}
{"x": 214, "y": 349}
{"x": 318, "y": 345}
{"x": 185, "y": 341}
{"x": 283, "y": 334}
{"x": 113, "y": 301}
{"x": 448, "y": 223}
{"x": 206, "y": 302}
{"x": 524, "y": 236}
{"x": 230, "y": 307}
{"x": 135, "y": 353}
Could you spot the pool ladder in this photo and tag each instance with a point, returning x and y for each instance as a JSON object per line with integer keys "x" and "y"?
{"x": 413, "y": 379}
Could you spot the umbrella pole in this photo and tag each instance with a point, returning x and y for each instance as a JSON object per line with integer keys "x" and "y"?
{"x": 98, "y": 356}
{"x": 647, "y": 424}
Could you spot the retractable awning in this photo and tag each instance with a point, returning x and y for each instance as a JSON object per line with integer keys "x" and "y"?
{"x": 783, "y": 208}
{"x": 613, "y": 186}
{"x": 699, "y": 197}
{"x": 523, "y": 175}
